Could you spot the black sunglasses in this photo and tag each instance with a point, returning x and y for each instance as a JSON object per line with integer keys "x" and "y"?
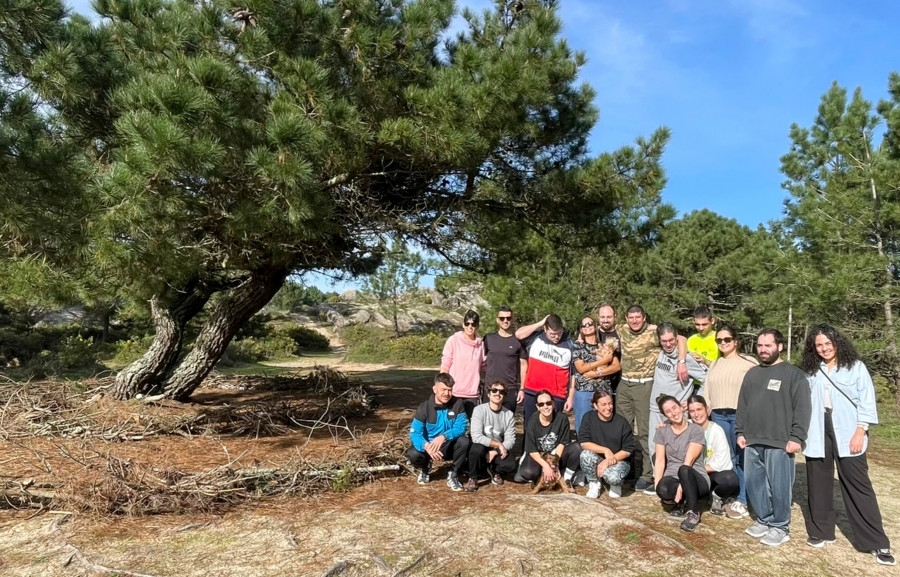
{"x": 504, "y": 319}
{"x": 499, "y": 391}
{"x": 470, "y": 324}
{"x": 546, "y": 404}
{"x": 725, "y": 340}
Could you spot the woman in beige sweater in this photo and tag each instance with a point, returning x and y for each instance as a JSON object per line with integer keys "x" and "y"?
{"x": 723, "y": 385}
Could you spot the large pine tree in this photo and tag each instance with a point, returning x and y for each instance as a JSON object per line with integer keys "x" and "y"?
{"x": 231, "y": 145}
{"x": 842, "y": 223}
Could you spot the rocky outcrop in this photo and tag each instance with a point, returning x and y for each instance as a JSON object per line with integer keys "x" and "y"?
{"x": 422, "y": 310}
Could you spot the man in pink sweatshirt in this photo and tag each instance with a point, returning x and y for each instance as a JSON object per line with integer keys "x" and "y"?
{"x": 463, "y": 358}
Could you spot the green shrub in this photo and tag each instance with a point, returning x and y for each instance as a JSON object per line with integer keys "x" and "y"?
{"x": 18, "y": 346}
{"x": 368, "y": 344}
{"x": 251, "y": 350}
{"x": 131, "y": 349}
{"x": 293, "y": 295}
{"x": 306, "y": 339}
{"x": 256, "y": 326}
{"x": 416, "y": 350}
{"x": 76, "y": 352}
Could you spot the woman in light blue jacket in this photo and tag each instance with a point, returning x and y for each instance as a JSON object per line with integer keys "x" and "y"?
{"x": 843, "y": 407}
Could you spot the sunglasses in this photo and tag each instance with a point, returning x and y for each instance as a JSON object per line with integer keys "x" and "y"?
{"x": 504, "y": 319}
{"x": 587, "y": 324}
{"x": 725, "y": 340}
{"x": 498, "y": 391}
{"x": 470, "y": 324}
{"x": 546, "y": 404}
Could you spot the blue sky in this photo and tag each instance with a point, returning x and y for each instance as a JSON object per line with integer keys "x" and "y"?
{"x": 728, "y": 77}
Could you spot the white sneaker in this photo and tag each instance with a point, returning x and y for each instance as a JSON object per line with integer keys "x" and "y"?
{"x": 615, "y": 491}
{"x": 736, "y": 510}
{"x": 593, "y": 490}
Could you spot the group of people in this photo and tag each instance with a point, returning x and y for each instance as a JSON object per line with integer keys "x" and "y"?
{"x": 694, "y": 417}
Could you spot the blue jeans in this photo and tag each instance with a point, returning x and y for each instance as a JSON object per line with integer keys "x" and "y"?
{"x": 725, "y": 419}
{"x": 770, "y": 484}
{"x": 581, "y": 407}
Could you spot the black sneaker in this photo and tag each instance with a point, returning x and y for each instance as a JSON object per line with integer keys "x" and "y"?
{"x": 676, "y": 511}
{"x": 884, "y": 557}
{"x": 496, "y": 479}
{"x": 644, "y": 486}
{"x": 818, "y": 543}
{"x": 691, "y": 520}
{"x": 453, "y": 482}
{"x": 579, "y": 480}
{"x": 424, "y": 474}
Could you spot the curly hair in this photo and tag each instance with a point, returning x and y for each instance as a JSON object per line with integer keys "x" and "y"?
{"x": 845, "y": 352}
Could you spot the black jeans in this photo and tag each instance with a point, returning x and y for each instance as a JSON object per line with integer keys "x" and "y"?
{"x": 456, "y": 450}
{"x": 693, "y": 486}
{"x": 725, "y": 484}
{"x": 478, "y": 465}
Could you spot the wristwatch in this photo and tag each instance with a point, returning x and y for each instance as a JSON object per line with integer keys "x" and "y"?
{"x": 682, "y": 361}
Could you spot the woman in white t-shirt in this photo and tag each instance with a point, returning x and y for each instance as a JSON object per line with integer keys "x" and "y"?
{"x": 724, "y": 482}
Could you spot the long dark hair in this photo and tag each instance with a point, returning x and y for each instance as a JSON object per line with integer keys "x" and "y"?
{"x": 845, "y": 352}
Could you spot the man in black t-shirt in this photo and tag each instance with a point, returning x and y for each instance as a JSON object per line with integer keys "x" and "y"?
{"x": 606, "y": 330}
{"x": 506, "y": 359}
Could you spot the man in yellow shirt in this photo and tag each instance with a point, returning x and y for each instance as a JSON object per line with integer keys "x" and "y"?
{"x": 702, "y": 345}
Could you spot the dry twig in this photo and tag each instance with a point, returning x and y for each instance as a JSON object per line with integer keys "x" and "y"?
{"x": 77, "y": 554}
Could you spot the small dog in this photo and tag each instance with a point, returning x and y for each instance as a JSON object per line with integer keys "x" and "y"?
{"x": 611, "y": 344}
{"x": 553, "y": 460}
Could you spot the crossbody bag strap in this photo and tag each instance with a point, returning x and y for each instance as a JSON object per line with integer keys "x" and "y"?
{"x": 834, "y": 386}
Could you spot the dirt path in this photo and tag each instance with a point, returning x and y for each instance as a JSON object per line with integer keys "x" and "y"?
{"x": 393, "y": 524}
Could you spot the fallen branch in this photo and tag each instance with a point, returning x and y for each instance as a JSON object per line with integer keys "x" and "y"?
{"x": 100, "y": 568}
{"x": 334, "y": 472}
{"x": 410, "y": 567}
{"x": 25, "y": 495}
{"x": 337, "y": 569}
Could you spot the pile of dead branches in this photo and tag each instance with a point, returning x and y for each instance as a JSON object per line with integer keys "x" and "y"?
{"x": 49, "y": 409}
{"x": 108, "y": 485}
{"x": 325, "y": 398}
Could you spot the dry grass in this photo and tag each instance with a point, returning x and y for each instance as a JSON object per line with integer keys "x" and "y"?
{"x": 380, "y": 526}
{"x": 72, "y": 441}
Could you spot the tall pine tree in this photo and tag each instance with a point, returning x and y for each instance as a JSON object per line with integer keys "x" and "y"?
{"x": 842, "y": 223}
{"x": 232, "y": 145}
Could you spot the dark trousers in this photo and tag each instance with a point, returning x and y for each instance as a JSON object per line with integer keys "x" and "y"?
{"x": 529, "y": 470}
{"x": 856, "y": 490}
{"x": 469, "y": 406}
{"x": 478, "y": 465}
{"x": 509, "y": 400}
{"x": 529, "y": 408}
{"x": 456, "y": 450}
{"x": 725, "y": 484}
{"x": 693, "y": 486}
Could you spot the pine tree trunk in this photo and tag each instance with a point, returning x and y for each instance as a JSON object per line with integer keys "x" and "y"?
{"x": 226, "y": 318}
{"x": 143, "y": 374}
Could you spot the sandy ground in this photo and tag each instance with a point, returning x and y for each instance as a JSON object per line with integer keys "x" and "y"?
{"x": 394, "y": 527}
